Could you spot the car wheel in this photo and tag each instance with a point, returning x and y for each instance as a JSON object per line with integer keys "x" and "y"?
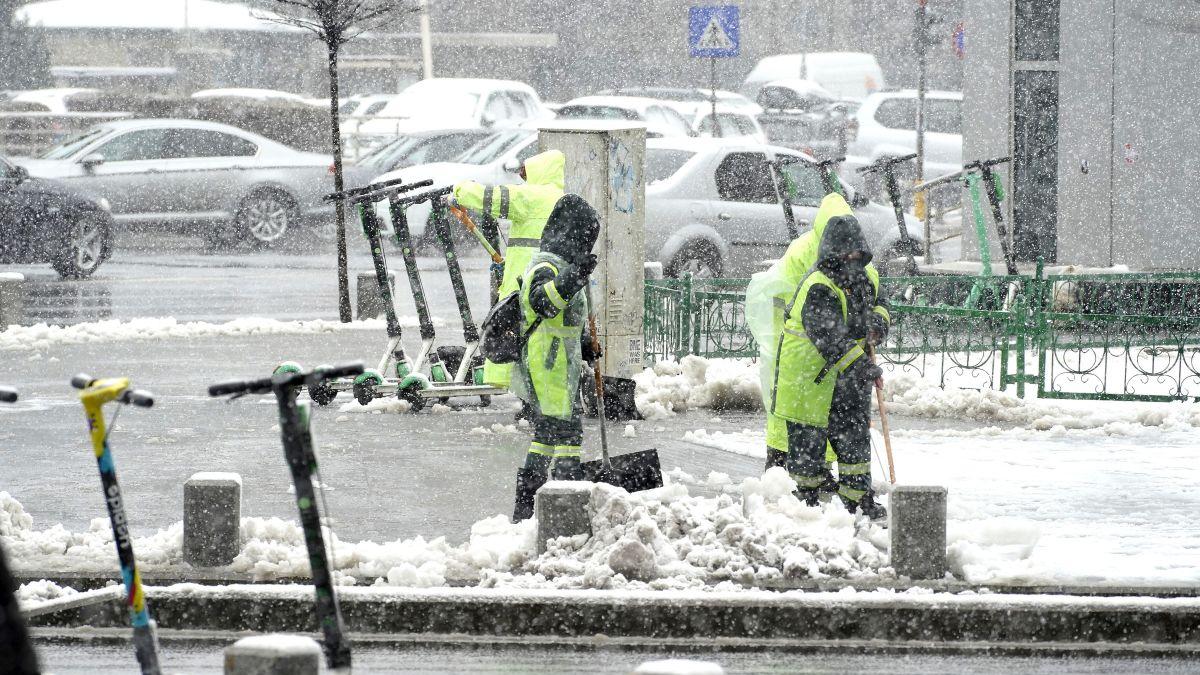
{"x": 700, "y": 258}
{"x": 265, "y": 216}
{"x": 83, "y": 248}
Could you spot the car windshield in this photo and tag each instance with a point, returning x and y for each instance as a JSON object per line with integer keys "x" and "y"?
{"x": 662, "y": 163}
{"x": 386, "y": 153}
{"x": 72, "y": 145}
{"x": 491, "y": 148}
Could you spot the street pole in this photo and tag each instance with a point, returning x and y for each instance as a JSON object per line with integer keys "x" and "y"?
{"x": 922, "y": 40}
{"x": 426, "y": 42}
{"x": 713, "y": 82}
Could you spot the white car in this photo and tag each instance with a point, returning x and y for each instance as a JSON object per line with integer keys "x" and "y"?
{"x": 259, "y": 95}
{"x": 494, "y": 160}
{"x": 887, "y": 125}
{"x": 365, "y": 106}
{"x": 443, "y": 102}
{"x": 712, "y": 209}
{"x": 51, "y": 100}
{"x": 732, "y": 124}
{"x": 849, "y": 75}
{"x": 661, "y": 118}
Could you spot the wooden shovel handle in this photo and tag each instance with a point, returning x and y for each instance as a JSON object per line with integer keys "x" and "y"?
{"x": 883, "y": 422}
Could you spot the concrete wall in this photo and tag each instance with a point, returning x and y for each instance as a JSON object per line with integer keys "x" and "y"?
{"x": 1127, "y": 135}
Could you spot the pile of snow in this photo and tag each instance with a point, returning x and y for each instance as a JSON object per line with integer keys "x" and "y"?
{"x": 659, "y": 539}
{"x": 718, "y": 384}
{"x": 672, "y": 387}
{"x": 42, "y": 336}
{"x": 40, "y": 591}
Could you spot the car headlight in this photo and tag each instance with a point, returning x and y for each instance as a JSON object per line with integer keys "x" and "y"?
{"x": 104, "y": 204}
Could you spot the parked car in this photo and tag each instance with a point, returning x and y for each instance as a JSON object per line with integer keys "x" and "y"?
{"x": 803, "y": 115}
{"x": 661, "y": 119}
{"x": 849, "y": 75}
{"x": 259, "y": 95}
{"x": 887, "y": 125}
{"x": 442, "y": 102}
{"x": 56, "y": 100}
{"x": 731, "y": 124}
{"x": 44, "y": 221}
{"x": 422, "y": 147}
{"x": 494, "y": 160}
{"x": 226, "y": 183}
{"x": 690, "y": 101}
{"x": 364, "y": 106}
{"x": 712, "y": 207}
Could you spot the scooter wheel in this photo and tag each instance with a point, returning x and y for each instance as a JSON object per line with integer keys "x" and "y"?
{"x": 364, "y": 392}
{"x": 413, "y": 397}
{"x": 485, "y": 401}
{"x": 322, "y": 394}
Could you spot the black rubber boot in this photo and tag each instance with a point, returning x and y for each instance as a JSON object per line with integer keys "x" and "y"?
{"x": 775, "y": 458}
{"x": 528, "y": 483}
{"x": 807, "y": 495}
{"x": 873, "y": 510}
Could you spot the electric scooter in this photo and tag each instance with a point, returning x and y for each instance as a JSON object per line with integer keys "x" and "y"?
{"x": 972, "y": 176}
{"x": 887, "y": 166}
{"x": 296, "y": 433}
{"x": 94, "y": 395}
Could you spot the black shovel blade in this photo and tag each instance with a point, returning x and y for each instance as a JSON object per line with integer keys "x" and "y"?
{"x": 635, "y": 471}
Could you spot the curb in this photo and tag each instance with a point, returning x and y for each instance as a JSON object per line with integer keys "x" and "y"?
{"x": 670, "y": 615}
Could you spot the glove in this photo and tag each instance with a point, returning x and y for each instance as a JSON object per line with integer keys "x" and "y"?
{"x": 587, "y": 264}
{"x": 449, "y": 201}
{"x": 868, "y": 372}
{"x": 571, "y": 279}
{"x": 591, "y": 350}
{"x": 878, "y": 330}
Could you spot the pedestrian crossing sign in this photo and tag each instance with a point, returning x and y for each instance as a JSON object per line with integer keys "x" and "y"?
{"x": 713, "y": 31}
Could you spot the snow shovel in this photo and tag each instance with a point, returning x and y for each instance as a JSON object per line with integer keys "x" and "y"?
{"x": 634, "y": 471}
{"x": 883, "y": 422}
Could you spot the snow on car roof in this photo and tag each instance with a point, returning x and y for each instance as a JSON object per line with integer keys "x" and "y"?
{"x": 638, "y": 103}
{"x": 739, "y": 143}
{"x": 149, "y": 15}
{"x": 473, "y": 84}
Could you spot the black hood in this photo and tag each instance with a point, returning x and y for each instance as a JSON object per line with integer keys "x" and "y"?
{"x": 572, "y": 229}
{"x": 843, "y": 235}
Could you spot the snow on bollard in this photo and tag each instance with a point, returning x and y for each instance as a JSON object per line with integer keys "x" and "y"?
{"x": 679, "y": 667}
{"x": 212, "y": 516}
{"x": 918, "y": 531}
{"x": 369, "y": 301}
{"x": 12, "y": 299}
{"x": 562, "y": 509}
{"x": 273, "y": 655}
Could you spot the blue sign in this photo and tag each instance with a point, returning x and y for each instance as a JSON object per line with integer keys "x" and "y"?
{"x": 713, "y": 31}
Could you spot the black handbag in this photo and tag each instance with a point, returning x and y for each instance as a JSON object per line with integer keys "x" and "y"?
{"x": 502, "y": 340}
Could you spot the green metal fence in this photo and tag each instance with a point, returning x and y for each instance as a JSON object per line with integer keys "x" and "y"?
{"x": 1095, "y": 337}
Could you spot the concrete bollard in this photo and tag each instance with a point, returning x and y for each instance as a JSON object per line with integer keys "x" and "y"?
{"x": 12, "y": 299}
{"x": 212, "y": 516}
{"x": 370, "y": 304}
{"x": 273, "y": 655}
{"x": 652, "y": 270}
{"x": 918, "y": 531}
{"x": 563, "y": 509}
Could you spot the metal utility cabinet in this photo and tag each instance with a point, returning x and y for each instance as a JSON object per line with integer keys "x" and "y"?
{"x": 605, "y": 166}
{"x": 1094, "y": 100}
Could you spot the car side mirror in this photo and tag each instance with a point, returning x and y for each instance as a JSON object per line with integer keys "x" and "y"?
{"x": 91, "y": 162}
{"x": 859, "y": 200}
{"x": 488, "y": 120}
{"x": 512, "y": 166}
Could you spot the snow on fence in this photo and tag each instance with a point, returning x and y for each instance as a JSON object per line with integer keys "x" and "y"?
{"x": 1092, "y": 337}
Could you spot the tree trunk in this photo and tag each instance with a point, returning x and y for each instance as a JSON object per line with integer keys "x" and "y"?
{"x": 335, "y": 130}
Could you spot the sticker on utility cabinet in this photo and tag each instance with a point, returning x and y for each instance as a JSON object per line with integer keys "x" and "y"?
{"x": 622, "y": 177}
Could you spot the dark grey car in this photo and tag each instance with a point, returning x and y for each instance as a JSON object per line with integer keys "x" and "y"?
{"x": 227, "y": 184}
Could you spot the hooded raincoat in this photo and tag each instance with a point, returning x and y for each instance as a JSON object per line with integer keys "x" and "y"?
{"x": 527, "y": 206}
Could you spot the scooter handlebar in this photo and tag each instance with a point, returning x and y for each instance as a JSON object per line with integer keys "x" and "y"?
{"x": 388, "y": 191}
{"x": 417, "y": 199}
{"x": 138, "y": 397}
{"x": 82, "y": 380}
{"x": 8, "y": 395}
{"x": 831, "y": 161}
{"x": 334, "y": 372}
{"x": 240, "y": 387}
{"x": 370, "y": 187}
{"x": 883, "y": 162}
